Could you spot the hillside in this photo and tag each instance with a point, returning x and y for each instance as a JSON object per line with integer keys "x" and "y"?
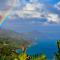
{"x": 11, "y": 37}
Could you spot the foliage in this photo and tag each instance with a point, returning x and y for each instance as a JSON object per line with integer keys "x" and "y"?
{"x": 38, "y": 57}
{"x": 57, "y": 55}
{"x": 8, "y": 51}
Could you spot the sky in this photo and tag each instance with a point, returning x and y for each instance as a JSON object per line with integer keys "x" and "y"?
{"x": 28, "y": 15}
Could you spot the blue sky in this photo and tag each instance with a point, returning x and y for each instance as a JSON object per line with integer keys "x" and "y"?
{"x": 25, "y": 16}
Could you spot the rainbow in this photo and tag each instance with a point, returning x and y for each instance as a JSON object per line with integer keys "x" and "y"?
{"x": 4, "y": 17}
{"x": 8, "y": 12}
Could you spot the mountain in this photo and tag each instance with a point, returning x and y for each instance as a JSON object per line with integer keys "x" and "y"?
{"x": 8, "y": 33}
{"x": 12, "y": 37}
{"x": 35, "y": 36}
{"x": 31, "y": 37}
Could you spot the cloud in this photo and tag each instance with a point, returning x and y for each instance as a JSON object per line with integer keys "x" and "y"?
{"x": 31, "y": 10}
{"x": 57, "y": 5}
{"x": 34, "y": 10}
{"x": 53, "y": 18}
{"x": 4, "y": 5}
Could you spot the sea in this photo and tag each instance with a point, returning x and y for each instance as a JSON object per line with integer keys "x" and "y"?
{"x": 49, "y": 48}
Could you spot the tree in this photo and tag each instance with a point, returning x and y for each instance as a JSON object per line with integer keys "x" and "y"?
{"x": 57, "y": 55}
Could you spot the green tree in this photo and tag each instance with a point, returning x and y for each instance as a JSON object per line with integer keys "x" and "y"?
{"x": 57, "y": 54}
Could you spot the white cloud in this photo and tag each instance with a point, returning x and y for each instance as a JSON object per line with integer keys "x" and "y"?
{"x": 32, "y": 10}
{"x": 52, "y": 17}
{"x": 35, "y": 10}
{"x": 29, "y": 7}
{"x": 57, "y": 5}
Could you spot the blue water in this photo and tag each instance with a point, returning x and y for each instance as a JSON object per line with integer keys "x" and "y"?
{"x": 46, "y": 47}
{"x": 49, "y": 48}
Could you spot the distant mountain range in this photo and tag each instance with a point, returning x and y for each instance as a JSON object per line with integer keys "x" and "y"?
{"x": 35, "y": 36}
{"x": 8, "y": 33}
{"x": 12, "y": 37}
{"x": 29, "y": 37}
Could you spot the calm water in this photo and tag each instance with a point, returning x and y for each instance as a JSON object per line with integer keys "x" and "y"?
{"x": 46, "y": 47}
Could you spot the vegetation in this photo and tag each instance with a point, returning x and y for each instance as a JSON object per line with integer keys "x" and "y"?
{"x": 57, "y": 54}
{"x": 38, "y": 57}
{"x": 8, "y": 49}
